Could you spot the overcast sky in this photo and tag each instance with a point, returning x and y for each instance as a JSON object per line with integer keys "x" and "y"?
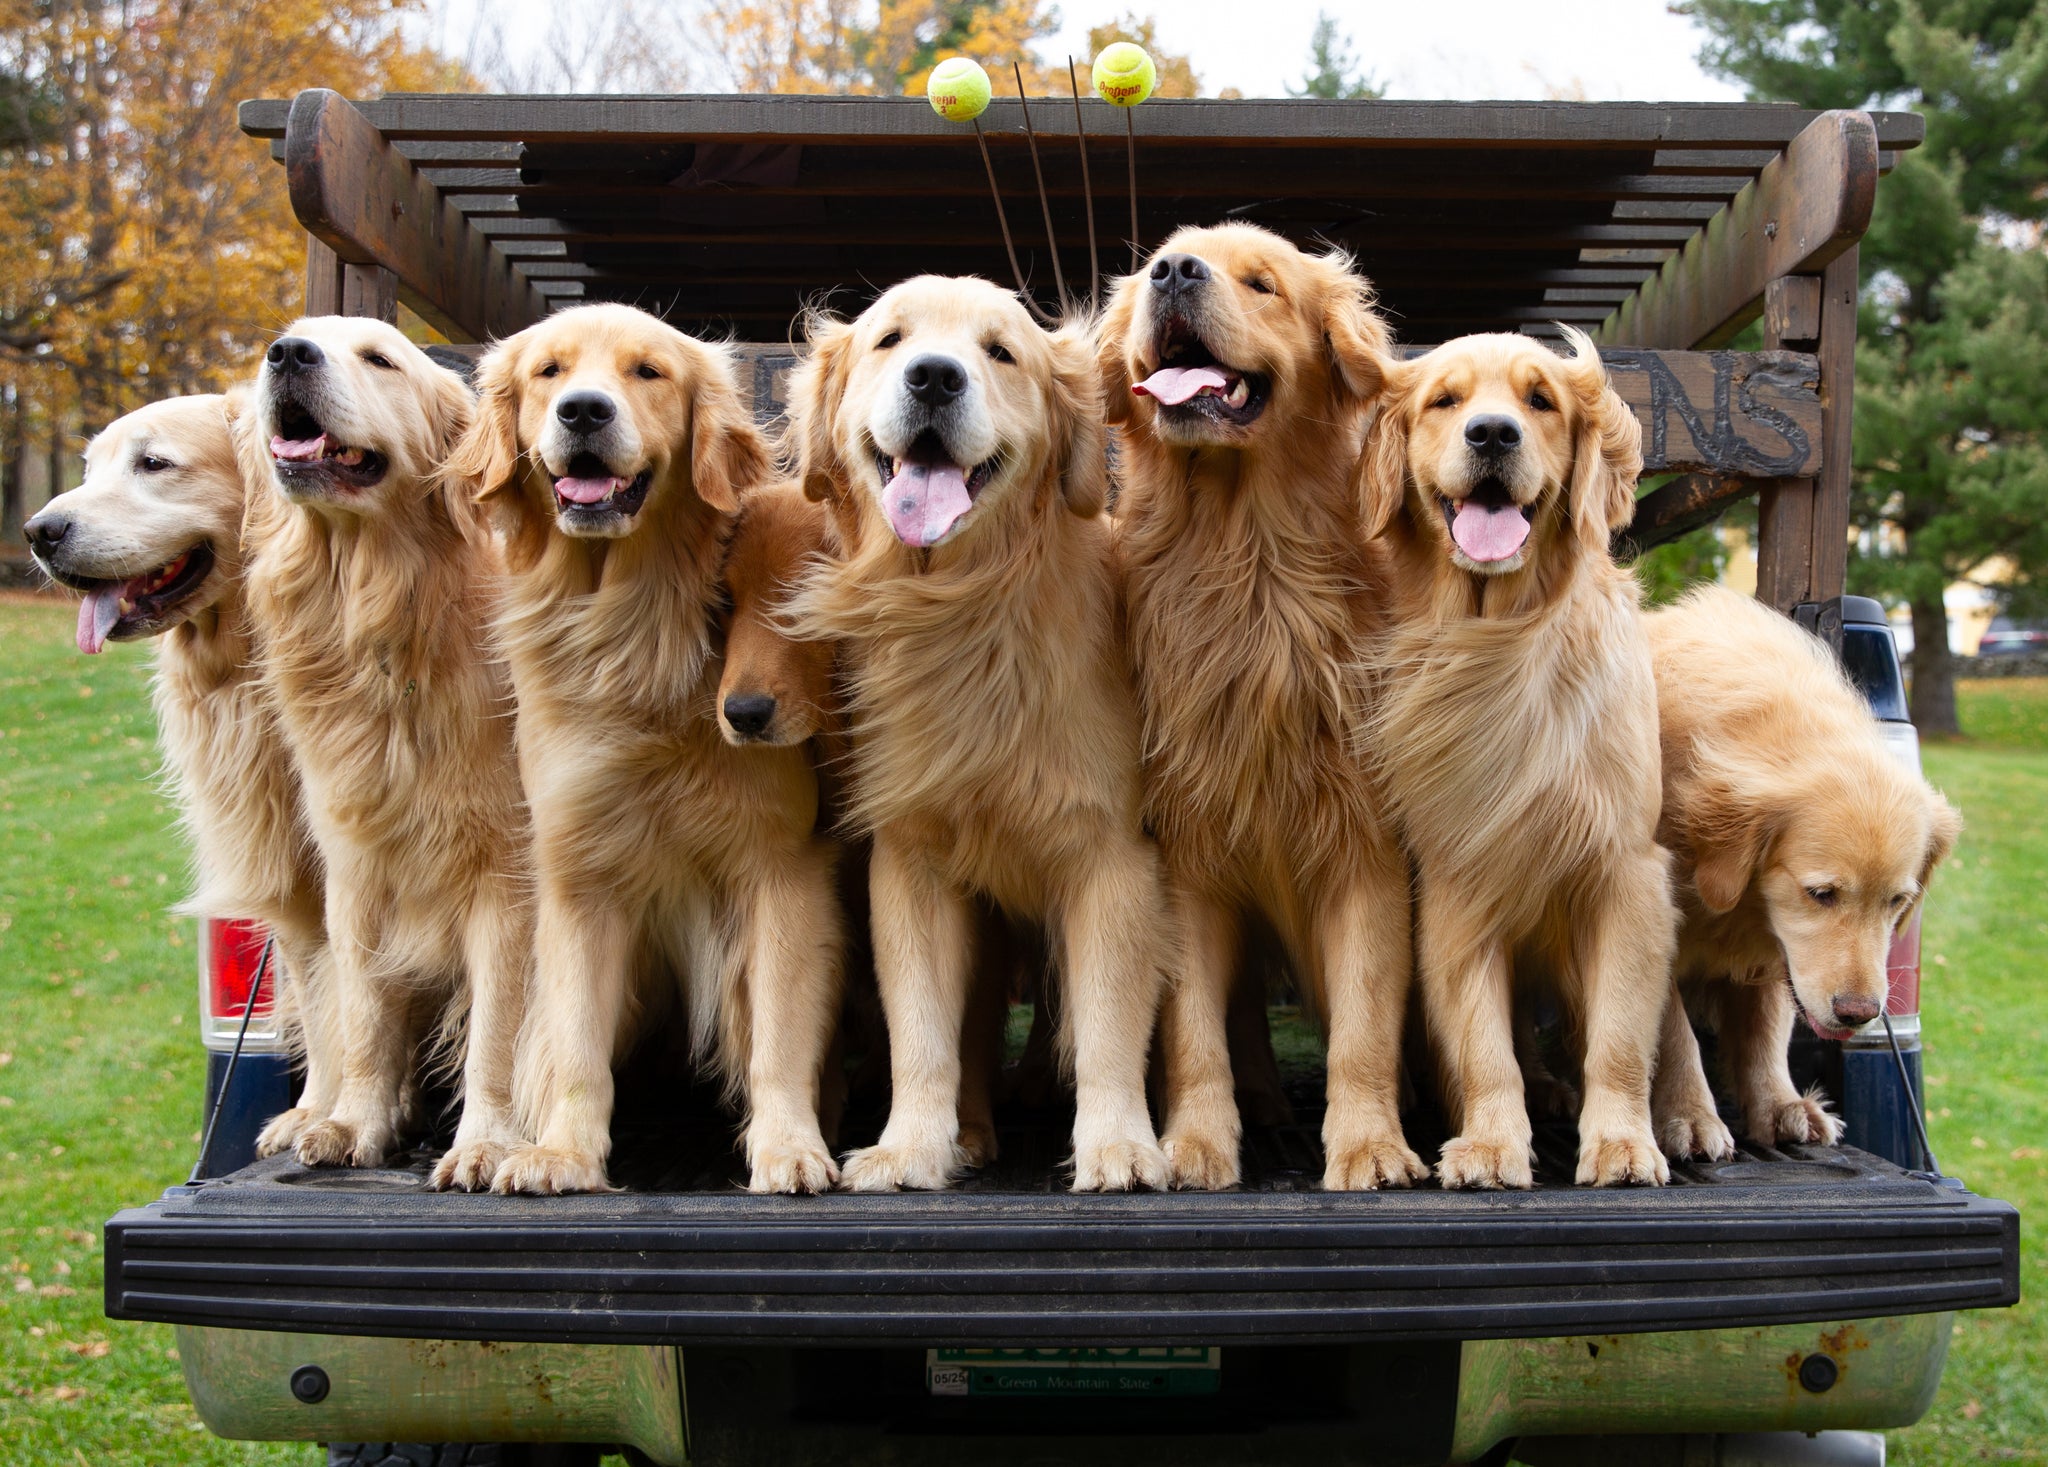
{"x": 1604, "y": 50}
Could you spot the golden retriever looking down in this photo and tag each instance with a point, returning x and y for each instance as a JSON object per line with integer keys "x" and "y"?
{"x": 1801, "y": 846}
{"x": 1517, "y": 729}
{"x": 153, "y": 538}
{"x": 371, "y": 603}
{"x": 995, "y": 737}
{"x": 614, "y": 452}
{"x": 1241, "y": 370}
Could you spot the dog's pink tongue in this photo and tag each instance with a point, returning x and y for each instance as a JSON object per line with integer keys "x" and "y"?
{"x": 1173, "y": 385}
{"x": 1487, "y": 534}
{"x": 292, "y": 450}
{"x": 925, "y": 501}
{"x": 97, "y": 614}
{"x": 588, "y": 491}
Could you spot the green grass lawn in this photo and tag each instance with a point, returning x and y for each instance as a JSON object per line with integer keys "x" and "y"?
{"x": 101, "y": 1070}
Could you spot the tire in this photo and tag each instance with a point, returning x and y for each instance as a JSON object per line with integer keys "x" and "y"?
{"x": 463, "y": 1454}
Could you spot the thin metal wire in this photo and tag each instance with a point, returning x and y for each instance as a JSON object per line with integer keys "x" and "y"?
{"x": 1087, "y": 192}
{"x": 234, "y": 1058}
{"x": 1052, "y": 243}
{"x": 995, "y": 192}
{"x": 1912, "y": 1100}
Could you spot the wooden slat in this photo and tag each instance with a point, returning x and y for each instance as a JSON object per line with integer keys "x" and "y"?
{"x": 1792, "y": 310}
{"x": 372, "y": 207}
{"x": 323, "y": 279}
{"x": 369, "y": 290}
{"x": 1830, "y": 555}
{"x": 737, "y": 118}
{"x": 1802, "y": 211}
{"x": 1675, "y": 509}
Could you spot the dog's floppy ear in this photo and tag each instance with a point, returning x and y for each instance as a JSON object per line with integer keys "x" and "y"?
{"x": 1942, "y": 835}
{"x": 1381, "y": 478}
{"x": 1360, "y": 352}
{"x": 1112, "y": 337}
{"x": 815, "y": 390}
{"x": 1728, "y": 823}
{"x": 485, "y": 460}
{"x": 1080, "y": 453}
{"x": 728, "y": 454}
{"x": 1607, "y": 454}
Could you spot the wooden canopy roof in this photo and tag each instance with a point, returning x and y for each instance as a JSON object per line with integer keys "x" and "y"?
{"x": 729, "y": 213}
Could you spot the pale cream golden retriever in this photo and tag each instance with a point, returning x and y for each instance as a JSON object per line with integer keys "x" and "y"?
{"x": 153, "y": 539}
{"x": 1517, "y": 729}
{"x": 614, "y": 452}
{"x": 1801, "y": 845}
{"x": 1242, "y": 370}
{"x": 371, "y": 590}
{"x": 995, "y": 736}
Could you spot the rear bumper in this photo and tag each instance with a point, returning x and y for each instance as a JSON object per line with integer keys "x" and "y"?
{"x": 713, "y": 1406}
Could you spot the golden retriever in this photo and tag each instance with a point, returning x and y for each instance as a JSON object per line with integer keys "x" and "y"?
{"x": 1241, "y": 371}
{"x": 153, "y": 538}
{"x": 614, "y": 452}
{"x": 995, "y": 735}
{"x": 1516, "y": 726}
{"x": 774, "y": 689}
{"x": 1801, "y": 844}
{"x": 371, "y": 591}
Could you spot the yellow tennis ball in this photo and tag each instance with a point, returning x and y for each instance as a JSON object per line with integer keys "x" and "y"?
{"x": 1124, "y": 74}
{"x": 957, "y": 89}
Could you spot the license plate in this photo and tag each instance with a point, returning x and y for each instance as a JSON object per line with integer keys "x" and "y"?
{"x": 1137, "y": 1370}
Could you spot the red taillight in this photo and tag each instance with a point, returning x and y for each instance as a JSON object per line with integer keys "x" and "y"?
{"x": 1902, "y": 967}
{"x": 230, "y": 952}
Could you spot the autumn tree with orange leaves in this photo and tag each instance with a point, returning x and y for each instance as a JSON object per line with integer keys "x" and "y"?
{"x": 146, "y": 248}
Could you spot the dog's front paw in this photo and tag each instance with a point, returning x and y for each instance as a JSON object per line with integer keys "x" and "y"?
{"x": 545, "y": 1171}
{"x": 1371, "y": 1162}
{"x": 337, "y": 1143}
{"x": 1200, "y": 1163}
{"x": 1695, "y": 1133}
{"x": 977, "y": 1143}
{"x": 1805, "y": 1119}
{"x": 469, "y": 1166}
{"x": 887, "y": 1168}
{"x": 1120, "y": 1164}
{"x": 1620, "y": 1160}
{"x": 792, "y": 1167}
{"x": 1474, "y": 1161}
{"x": 283, "y": 1131}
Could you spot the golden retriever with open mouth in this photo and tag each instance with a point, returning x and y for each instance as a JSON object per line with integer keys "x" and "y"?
{"x": 153, "y": 538}
{"x": 1517, "y": 729}
{"x": 1801, "y": 845}
{"x": 615, "y": 451}
{"x": 371, "y": 591}
{"x": 1242, "y": 370}
{"x": 995, "y": 737}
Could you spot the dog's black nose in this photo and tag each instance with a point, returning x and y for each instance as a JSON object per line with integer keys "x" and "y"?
{"x": 46, "y": 532}
{"x": 584, "y": 412}
{"x": 1172, "y": 273}
{"x": 1493, "y": 433}
{"x": 935, "y": 380}
{"x": 1853, "y": 1011}
{"x": 750, "y": 713}
{"x": 294, "y": 354}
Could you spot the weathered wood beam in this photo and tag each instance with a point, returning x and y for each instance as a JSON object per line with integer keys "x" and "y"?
{"x": 323, "y": 279}
{"x": 1803, "y": 210}
{"x": 1677, "y": 508}
{"x": 1830, "y": 559}
{"x": 743, "y": 118}
{"x": 372, "y": 207}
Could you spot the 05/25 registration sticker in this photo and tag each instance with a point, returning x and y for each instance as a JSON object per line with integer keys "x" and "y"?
{"x": 1124, "y": 1371}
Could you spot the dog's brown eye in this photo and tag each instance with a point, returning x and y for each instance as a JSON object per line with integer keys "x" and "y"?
{"x": 1540, "y": 401}
{"x": 1262, "y": 286}
{"x": 1446, "y": 401}
{"x": 647, "y": 372}
{"x": 378, "y": 359}
{"x": 997, "y": 352}
{"x": 1825, "y": 895}
{"x": 894, "y": 338}
{"x": 151, "y": 464}
{"x": 1899, "y": 899}
{"x": 550, "y": 370}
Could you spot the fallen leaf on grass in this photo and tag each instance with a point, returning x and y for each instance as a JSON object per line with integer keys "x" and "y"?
{"x": 56, "y": 1291}
{"x": 2026, "y": 1153}
{"x": 89, "y": 1349}
{"x": 68, "y": 1393}
{"x": 1972, "y": 1410}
